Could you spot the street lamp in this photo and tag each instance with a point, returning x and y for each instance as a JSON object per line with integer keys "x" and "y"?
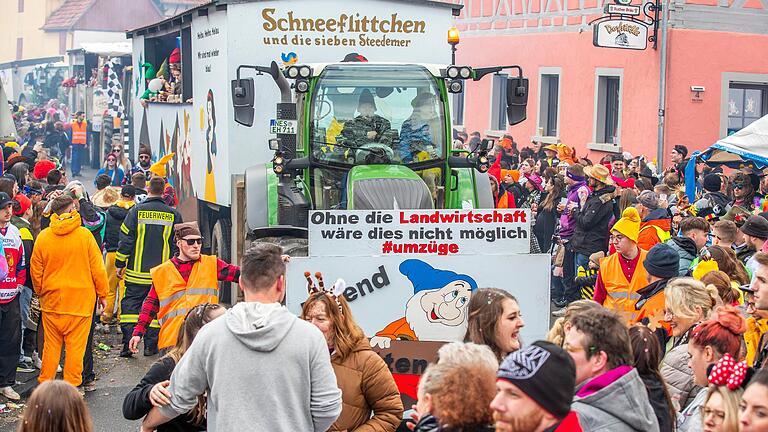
{"x": 453, "y": 40}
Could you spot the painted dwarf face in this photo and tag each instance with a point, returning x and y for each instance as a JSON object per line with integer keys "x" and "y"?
{"x": 448, "y": 305}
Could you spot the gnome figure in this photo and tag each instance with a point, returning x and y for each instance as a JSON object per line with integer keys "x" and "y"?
{"x": 437, "y": 311}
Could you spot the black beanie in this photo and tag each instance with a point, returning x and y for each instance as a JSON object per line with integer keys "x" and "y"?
{"x": 662, "y": 261}
{"x": 712, "y": 183}
{"x": 544, "y": 372}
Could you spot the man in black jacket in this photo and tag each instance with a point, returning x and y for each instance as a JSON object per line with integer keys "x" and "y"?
{"x": 592, "y": 216}
{"x": 146, "y": 241}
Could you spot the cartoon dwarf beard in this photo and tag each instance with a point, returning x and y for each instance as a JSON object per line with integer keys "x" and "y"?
{"x": 427, "y": 330}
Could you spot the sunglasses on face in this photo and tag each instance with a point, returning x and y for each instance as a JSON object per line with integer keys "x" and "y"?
{"x": 739, "y": 186}
{"x": 191, "y": 242}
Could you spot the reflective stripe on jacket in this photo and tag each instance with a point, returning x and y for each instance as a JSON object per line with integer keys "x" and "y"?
{"x": 177, "y": 297}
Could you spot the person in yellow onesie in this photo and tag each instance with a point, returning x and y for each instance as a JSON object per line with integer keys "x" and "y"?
{"x": 68, "y": 274}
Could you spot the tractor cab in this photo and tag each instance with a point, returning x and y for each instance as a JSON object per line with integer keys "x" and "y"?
{"x": 375, "y": 127}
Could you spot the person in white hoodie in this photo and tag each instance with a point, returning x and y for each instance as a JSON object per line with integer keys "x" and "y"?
{"x": 262, "y": 368}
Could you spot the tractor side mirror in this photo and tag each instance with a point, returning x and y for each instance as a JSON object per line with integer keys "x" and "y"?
{"x": 242, "y": 100}
{"x": 517, "y": 99}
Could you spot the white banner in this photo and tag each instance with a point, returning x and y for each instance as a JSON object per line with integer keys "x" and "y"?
{"x": 426, "y": 298}
{"x": 419, "y": 232}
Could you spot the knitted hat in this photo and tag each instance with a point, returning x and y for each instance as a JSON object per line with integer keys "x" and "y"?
{"x": 662, "y": 261}
{"x": 145, "y": 150}
{"x": 545, "y": 373}
{"x": 712, "y": 183}
{"x": 756, "y": 226}
{"x": 24, "y": 204}
{"x": 683, "y": 150}
{"x": 425, "y": 277}
{"x": 596, "y": 257}
{"x": 515, "y": 174}
{"x": 629, "y": 224}
{"x": 648, "y": 199}
{"x": 42, "y": 169}
{"x": 158, "y": 168}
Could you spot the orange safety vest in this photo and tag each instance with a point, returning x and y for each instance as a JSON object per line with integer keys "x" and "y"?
{"x": 79, "y": 131}
{"x": 177, "y": 297}
{"x": 622, "y": 294}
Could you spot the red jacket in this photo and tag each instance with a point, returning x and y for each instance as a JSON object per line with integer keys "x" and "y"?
{"x": 569, "y": 424}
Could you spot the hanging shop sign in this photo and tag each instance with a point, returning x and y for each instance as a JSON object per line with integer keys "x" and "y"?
{"x": 620, "y": 33}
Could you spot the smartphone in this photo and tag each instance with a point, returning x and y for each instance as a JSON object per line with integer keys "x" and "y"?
{"x": 563, "y": 201}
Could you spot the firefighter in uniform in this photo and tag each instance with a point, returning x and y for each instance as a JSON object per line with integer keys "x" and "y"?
{"x": 145, "y": 242}
{"x": 181, "y": 283}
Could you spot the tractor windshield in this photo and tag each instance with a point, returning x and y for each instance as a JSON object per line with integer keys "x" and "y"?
{"x": 377, "y": 114}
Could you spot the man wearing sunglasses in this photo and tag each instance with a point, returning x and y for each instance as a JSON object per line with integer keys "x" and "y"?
{"x": 179, "y": 284}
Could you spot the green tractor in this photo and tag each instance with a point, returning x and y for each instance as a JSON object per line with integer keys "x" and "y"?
{"x": 362, "y": 136}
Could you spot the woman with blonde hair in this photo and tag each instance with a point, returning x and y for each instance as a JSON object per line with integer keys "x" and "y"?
{"x": 687, "y": 303}
{"x": 556, "y": 334}
{"x": 152, "y": 390}
{"x": 720, "y": 412}
{"x": 56, "y": 406}
{"x": 370, "y": 398}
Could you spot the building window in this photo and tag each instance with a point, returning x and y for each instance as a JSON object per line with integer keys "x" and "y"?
{"x": 21, "y": 6}
{"x": 549, "y": 98}
{"x": 19, "y": 48}
{"x": 608, "y": 109}
{"x": 457, "y": 111}
{"x": 746, "y": 103}
{"x": 499, "y": 102}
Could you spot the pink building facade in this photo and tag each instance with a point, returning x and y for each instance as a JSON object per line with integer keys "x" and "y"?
{"x": 603, "y": 100}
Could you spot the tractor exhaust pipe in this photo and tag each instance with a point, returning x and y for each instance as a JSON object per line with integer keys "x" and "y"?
{"x": 282, "y": 83}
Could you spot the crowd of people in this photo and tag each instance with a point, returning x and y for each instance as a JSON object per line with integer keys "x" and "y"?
{"x": 661, "y": 307}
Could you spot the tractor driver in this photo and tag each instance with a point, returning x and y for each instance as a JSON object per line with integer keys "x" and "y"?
{"x": 368, "y": 126}
{"x": 418, "y": 133}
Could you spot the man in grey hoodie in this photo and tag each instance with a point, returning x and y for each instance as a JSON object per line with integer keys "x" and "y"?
{"x": 610, "y": 396}
{"x": 263, "y": 368}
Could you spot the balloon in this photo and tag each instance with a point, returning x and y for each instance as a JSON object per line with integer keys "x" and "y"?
{"x": 156, "y": 85}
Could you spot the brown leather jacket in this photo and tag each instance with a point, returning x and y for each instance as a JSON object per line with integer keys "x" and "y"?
{"x": 366, "y": 386}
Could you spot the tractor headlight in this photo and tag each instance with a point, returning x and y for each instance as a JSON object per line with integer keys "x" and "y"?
{"x": 293, "y": 72}
{"x": 305, "y": 72}
{"x": 452, "y": 72}
{"x": 302, "y": 85}
{"x": 455, "y": 86}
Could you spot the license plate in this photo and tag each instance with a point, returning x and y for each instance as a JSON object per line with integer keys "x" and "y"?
{"x": 283, "y": 127}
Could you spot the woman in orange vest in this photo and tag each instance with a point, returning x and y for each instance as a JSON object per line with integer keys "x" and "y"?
{"x": 79, "y": 142}
{"x": 621, "y": 274}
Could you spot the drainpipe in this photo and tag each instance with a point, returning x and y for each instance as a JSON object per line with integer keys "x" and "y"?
{"x": 662, "y": 86}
